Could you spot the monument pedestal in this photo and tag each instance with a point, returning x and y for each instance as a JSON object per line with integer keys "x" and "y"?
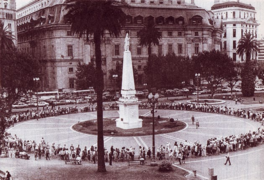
{"x": 128, "y": 114}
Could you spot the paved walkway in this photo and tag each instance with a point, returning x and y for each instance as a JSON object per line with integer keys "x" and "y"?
{"x": 245, "y": 164}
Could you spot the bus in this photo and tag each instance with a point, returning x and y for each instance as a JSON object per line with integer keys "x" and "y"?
{"x": 47, "y": 95}
{"x": 86, "y": 92}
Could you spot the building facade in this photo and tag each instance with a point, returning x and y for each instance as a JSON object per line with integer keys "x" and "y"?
{"x": 8, "y": 15}
{"x": 238, "y": 18}
{"x": 185, "y": 28}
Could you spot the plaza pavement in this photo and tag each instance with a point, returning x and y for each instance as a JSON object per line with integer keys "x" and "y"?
{"x": 246, "y": 164}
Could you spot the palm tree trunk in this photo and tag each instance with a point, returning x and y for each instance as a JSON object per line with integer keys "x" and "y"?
{"x": 247, "y": 56}
{"x": 152, "y": 78}
{"x": 99, "y": 89}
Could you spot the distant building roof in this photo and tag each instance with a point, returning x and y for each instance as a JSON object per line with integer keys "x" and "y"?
{"x": 232, "y": 4}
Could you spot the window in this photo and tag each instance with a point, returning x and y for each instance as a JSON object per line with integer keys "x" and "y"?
{"x": 196, "y": 48}
{"x": 234, "y": 32}
{"x": 138, "y": 50}
{"x": 234, "y": 24}
{"x": 234, "y": 44}
{"x": 179, "y": 48}
{"x": 160, "y": 50}
{"x": 234, "y": 14}
{"x": 117, "y": 50}
{"x": 224, "y": 45}
{"x": 5, "y": 5}
{"x": 242, "y": 32}
{"x": 151, "y": 1}
{"x": 71, "y": 83}
{"x": 69, "y": 33}
{"x": 71, "y": 70}
{"x": 161, "y": 1}
{"x": 179, "y": 33}
{"x": 70, "y": 50}
{"x": 239, "y": 14}
{"x": 9, "y": 26}
{"x": 169, "y": 33}
{"x": 132, "y": 1}
{"x": 234, "y": 56}
{"x": 139, "y": 67}
{"x": 196, "y": 34}
{"x": 170, "y": 51}
{"x": 226, "y": 14}
{"x": 142, "y": 1}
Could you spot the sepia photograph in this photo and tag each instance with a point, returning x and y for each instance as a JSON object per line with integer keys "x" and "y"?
{"x": 131, "y": 89}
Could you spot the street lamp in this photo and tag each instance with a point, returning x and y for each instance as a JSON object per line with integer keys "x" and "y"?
{"x": 197, "y": 76}
{"x": 153, "y": 99}
{"x": 36, "y": 80}
{"x": 115, "y": 76}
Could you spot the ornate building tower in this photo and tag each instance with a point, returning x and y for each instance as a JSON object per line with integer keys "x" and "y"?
{"x": 237, "y": 18}
{"x": 8, "y": 15}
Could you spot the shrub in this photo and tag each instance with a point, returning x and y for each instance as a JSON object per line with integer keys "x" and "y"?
{"x": 165, "y": 166}
{"x": 171, "y": 120}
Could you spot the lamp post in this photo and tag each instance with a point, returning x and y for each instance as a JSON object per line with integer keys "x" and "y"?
{"x": 36, "y": 80}
{"x": 197, "y": 76}
{"x": 115, "y": 76}
{"x": 153, "y": 99}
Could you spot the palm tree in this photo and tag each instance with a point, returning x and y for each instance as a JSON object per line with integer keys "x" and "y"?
{"x": 247, "y": 45}
{"x": 149, "y": 35}
{"x": 6, "y": 43}
{"x": 95, "y": 17}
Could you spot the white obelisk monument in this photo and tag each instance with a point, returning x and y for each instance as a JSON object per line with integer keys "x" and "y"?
{"x": 128, "y": 103}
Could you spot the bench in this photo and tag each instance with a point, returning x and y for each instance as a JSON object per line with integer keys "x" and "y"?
{"x": 141, "y": 161}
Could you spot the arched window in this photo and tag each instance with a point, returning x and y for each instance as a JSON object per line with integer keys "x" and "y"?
{"x": 128, "y": 19}
{"x": 170, "y": 20}
{"x": 196, "y": 20}
{"x": 149, "y": 19}
{"x": 160, "y": 20}
{"x": 138, "y": 20}
{"x": 179, "y": 20}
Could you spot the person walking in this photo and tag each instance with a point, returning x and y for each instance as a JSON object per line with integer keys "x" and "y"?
{"x": 197, "y": 124}
{"x": 228, "y": 159}
{"x": 193, "y": 119}
{"x": 8, "y": 175}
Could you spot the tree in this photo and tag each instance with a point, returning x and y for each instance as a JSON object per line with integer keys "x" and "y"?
{"x": 213, "y": 67}
{"x": 19, "y": 69}
{"x": 6, "y": 43}
{"x": 232, "y": 76}
{"x": 90, "y": 17}
{"x": 86, "y": 76}
{"x": 149, "y": 35}
{"x": 247, "y": 45}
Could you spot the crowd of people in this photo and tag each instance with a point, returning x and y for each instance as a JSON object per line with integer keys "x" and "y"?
{"x": 12, "y": 145}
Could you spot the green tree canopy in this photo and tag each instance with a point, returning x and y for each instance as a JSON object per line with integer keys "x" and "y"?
{"x": 6, "y": 43}
{"x": 19, "y": 69}
{"x": 85, "y": 76}
{"x": 247, "y": 45}
{"x": 213, "y": 66}
{"x": 149, "y": 35}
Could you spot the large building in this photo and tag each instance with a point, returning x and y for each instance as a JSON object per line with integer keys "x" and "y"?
{"x": 185, "y": 28}
{"x": 8, "y": 15}
{"x": 238, "y": 18}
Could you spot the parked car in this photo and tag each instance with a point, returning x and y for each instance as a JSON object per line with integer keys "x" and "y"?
{"x": 196, "y": 92}
{"x": 225, "y": 90}
{"x": 41, "y": 104}
{"x": 259, "y": 88}
{"x": 20, "y": 105}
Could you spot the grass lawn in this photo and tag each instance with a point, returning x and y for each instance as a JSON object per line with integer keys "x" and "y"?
{"x": 162, "y": 125}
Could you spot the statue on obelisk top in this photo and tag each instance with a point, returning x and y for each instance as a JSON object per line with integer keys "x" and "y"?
{"x": 126, "y": 43}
